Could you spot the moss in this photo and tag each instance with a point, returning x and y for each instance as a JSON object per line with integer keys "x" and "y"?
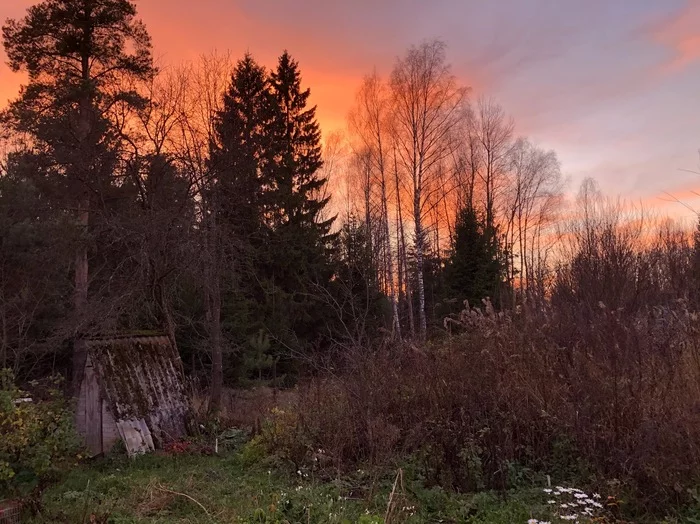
{"x": 140, "y": 379}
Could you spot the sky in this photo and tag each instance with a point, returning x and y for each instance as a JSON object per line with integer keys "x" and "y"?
{"x": 613, "y": 86}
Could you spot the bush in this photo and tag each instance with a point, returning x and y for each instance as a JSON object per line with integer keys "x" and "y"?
{"x": 577, "y": 394}
{"x": 38, "y": 436}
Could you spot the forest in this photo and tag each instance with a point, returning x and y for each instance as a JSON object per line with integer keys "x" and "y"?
{"x": 418, "y": 317}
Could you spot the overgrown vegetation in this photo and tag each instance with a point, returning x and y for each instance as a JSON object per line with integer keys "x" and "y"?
{"x": 513, "y": 395}
{"x": 38, "y": 440}
{"x": 188, "y": 482}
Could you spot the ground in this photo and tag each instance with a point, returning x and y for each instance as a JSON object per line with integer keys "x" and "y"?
{"x": 228, "y": 488}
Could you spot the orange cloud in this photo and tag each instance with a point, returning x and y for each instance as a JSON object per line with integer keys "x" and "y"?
{"x": 681, "y": 34}
{"x": 683, "y": 202}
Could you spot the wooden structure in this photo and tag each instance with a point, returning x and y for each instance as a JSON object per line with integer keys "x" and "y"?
{"x": 132, "y": 390}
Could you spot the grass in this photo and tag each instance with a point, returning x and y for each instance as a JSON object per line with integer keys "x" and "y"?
{"x": 228, "y": 488}
{"x": 243, "y": 485}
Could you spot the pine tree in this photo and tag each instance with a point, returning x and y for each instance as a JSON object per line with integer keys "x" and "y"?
{"x": 78, "y": 55}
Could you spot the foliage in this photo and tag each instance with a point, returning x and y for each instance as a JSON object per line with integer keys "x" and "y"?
{"x": 38, "y": 436}
{"x": 80, "y": 57}
{"x": 204, "y": 212}
{"x": 283, "y": 437}
{"x": 258, "y": 359}
{"x": 355, "y": 295}
{"x": 35, "y": 241}
{"x": 475, "y": 268}
{"x": 266, "y": 194}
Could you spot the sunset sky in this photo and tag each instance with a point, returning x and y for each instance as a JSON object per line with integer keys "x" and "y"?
{"x": 612, "y": 85}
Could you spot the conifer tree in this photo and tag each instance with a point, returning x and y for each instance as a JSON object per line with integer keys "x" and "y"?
{"x": 298, "y": 189}
{"x": 475, "y": 268}
{"x": 234, "y": 199}
{"x": 78, "y": 55}
{"x": 300, "y": 248}
{"x": 240, "y": 157}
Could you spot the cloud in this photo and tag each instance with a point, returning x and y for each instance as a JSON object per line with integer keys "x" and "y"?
{"x": 680, "y": 34}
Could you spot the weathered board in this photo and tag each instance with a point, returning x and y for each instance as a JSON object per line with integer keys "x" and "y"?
{"x": 136, "y": 436}
{"x": 93, "y": 409}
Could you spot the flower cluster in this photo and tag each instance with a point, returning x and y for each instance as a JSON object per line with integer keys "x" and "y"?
{"x": 571, "y": 505}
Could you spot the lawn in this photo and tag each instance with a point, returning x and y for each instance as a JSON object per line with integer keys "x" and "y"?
{"x": 229, "y": 487}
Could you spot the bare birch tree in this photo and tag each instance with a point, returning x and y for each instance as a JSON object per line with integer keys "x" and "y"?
{"x": 534, "y": 190}
{"x": 428, "y": 105}
{"x": 369, "y": 122}
{"x": 494, "y": 132}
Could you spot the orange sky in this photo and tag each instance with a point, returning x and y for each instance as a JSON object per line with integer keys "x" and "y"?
{"x": 611, "y": 85}
{"x": 333, "y": 89}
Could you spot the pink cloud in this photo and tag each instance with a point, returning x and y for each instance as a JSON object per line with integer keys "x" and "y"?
{"x": 681, "y": 34}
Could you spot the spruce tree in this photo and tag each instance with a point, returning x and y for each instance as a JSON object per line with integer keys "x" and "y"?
{"x": 298, "y": 196}
{"x": 300, "y": 247}
{"x": 266, "y": 195}
{"x": 475, "y": 268}
{"x": 240, "y": 155}
{"x": 232, "y": 218}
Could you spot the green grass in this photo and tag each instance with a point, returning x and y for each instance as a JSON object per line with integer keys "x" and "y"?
{"x": 229, "y": 488}
{"x": 244, "y": 485}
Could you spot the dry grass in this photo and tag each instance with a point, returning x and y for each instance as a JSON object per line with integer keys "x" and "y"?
{"x": 602, "y": 395}
{"x": 244, "y": 408}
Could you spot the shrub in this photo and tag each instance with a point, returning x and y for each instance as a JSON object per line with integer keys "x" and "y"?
{"x": 38, "y": 436}
{"x": 580, "y": 394}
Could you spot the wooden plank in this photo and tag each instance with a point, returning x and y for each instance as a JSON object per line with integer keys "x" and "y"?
{"x": 93, "y": 410}
{"x": 110, "y": 434}
{"x": 136, "y": 436}
{"x": 80, "y": 412}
